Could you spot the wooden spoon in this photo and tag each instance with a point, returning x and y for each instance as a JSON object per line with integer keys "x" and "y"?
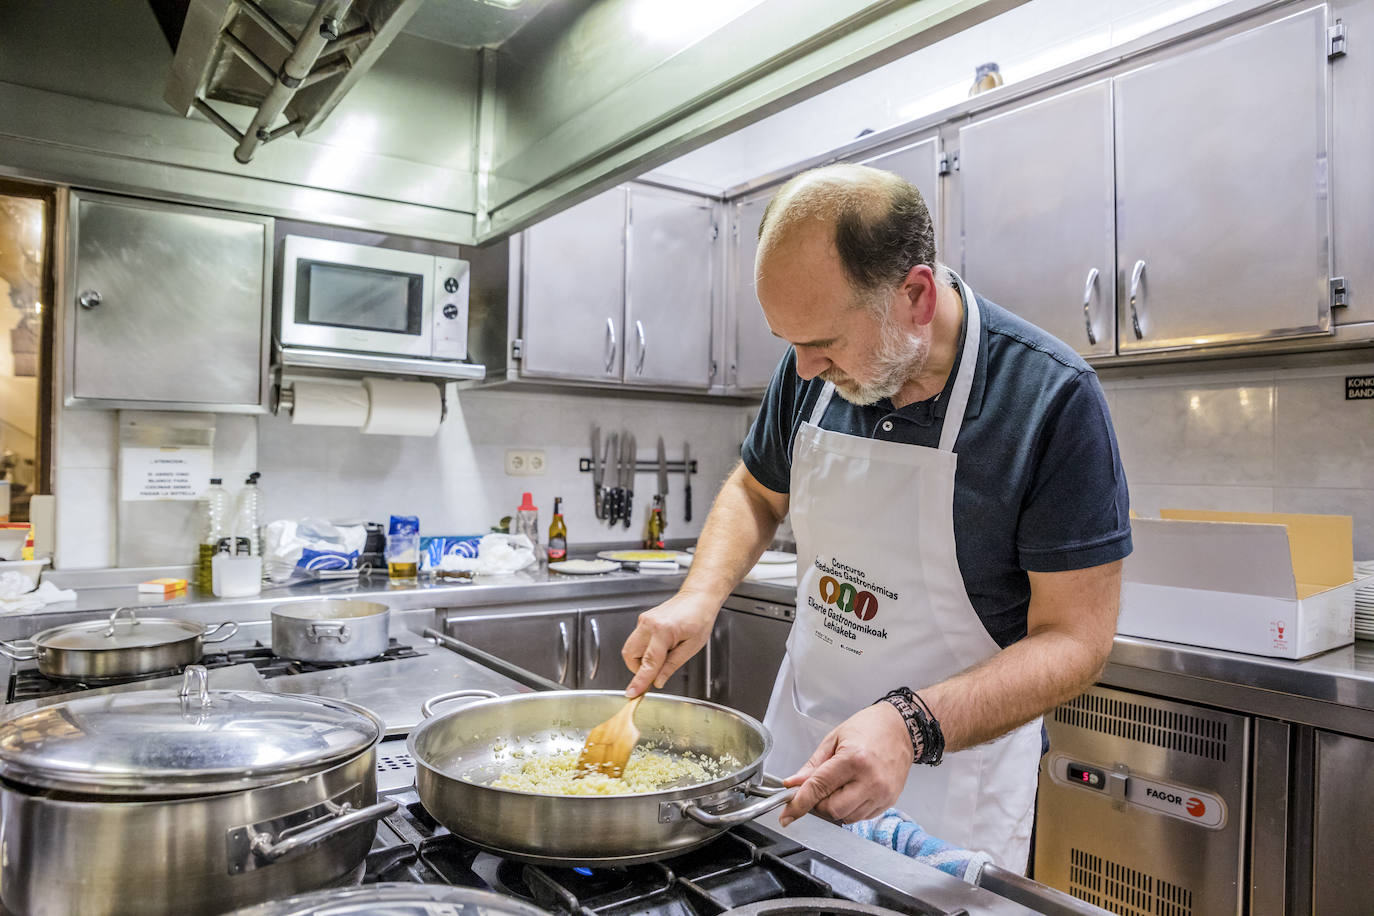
{"x": 609, "y": 745}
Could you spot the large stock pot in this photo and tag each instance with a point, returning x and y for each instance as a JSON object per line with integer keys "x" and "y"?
{"x": 156, "y": 803}
{"x": 459, "y": 753}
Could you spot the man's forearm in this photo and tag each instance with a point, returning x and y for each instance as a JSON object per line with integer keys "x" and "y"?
{"x": 740, "y": 526}
{"x": 1024, "y": 680}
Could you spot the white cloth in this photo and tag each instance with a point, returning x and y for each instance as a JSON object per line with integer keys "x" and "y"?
{"x": 21, "y": 603}
{"x": 497, "y": 555}
{"x": 881, "y": 604}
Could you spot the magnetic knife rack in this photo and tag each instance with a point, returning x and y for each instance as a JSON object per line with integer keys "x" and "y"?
{"x": 641, "y": 466}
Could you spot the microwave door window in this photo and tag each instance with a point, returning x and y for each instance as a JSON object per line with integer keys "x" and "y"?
{"x": 359, "y": 297}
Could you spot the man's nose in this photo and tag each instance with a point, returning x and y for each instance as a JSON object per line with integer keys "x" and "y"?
{"x": 810, "y": 365}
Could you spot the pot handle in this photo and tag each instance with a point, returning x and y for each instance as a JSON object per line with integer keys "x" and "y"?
{"x": 220, "y": 632}
{"x": 272, "y": 848}
{"x": 427, "y": 708}
{"x": 332, "y": 629}
{"x": 771, "y": 799}
{"x": 18, "y": 651}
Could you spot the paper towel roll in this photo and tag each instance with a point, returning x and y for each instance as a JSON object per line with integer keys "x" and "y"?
{"x": 325, "y": 404}
{"x": 402, "y": 408}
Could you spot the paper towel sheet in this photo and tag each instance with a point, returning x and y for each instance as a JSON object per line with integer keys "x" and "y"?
{"x": 402, "y": 408}
{"x": 326, "y": 404}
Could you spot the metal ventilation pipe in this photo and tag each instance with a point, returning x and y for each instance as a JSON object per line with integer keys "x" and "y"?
{"x": 322, "y": 28}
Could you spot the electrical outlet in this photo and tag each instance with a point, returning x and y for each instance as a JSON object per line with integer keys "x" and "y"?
{"x": 525, "y": 462}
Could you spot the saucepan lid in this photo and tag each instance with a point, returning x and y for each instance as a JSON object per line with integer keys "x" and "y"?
{"x": 395, "y": 900}
{"x": 196, "y": 741}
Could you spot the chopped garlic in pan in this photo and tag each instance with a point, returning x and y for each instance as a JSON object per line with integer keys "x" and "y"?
{"x": 647, "y": 771}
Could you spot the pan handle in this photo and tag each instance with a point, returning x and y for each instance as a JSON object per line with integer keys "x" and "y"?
{"x": 114, "y": 618}
{"x": 272, "y": 848}
{"x": 743, "y": 814}
{"x": 427, "y": 708}
{"x": 19, "y": 650}
{"x": 220, "y": 632}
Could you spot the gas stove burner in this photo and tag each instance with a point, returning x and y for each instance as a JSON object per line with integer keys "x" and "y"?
{"x": 26, "y": 683}
{"x": 809, "y": 906}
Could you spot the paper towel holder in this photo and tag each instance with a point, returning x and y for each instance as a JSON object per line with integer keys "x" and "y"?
{"x": 284, "y": 398}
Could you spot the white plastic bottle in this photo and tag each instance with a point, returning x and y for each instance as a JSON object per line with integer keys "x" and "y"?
{"x": 248, "y": 518}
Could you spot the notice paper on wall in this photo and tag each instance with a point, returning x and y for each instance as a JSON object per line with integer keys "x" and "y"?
{"x": 163, "y": 473}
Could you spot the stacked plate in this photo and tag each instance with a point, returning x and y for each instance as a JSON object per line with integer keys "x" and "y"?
{"x": 1364, "y": 600}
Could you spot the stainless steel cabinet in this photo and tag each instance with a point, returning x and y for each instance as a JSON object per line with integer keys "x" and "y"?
{"x": 602, "y": 633}
{"x": 544, "y": 642}
{"x": 756, "y": 350}
{"x": 574, "y": 294}
{"x": 671, "y": 257}
{"x": 1344, "y": 830}
{"x": 167, "y": 306}
{"x": 746, "y": 649}
{"x": 1222, "y": 193}
{"x": 918, "y": 163}
{"x": 1039, "y": 214}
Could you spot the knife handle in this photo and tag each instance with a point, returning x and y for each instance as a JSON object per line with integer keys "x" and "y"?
{"x": 629, "y": 502}
{"x": 687, "y": 517}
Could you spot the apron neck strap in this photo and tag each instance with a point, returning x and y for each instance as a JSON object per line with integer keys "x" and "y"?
{"x": 963, "y": 382}
{"x": 968, "y": 364}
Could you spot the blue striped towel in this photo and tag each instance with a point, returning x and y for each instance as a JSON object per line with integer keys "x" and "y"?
{"x": 898, "y": 832}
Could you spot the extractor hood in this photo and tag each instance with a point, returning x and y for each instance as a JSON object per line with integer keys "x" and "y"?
{"x": 288, "y": 61}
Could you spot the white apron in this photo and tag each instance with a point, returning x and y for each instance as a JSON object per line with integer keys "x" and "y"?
{"x": 881, "y": 604}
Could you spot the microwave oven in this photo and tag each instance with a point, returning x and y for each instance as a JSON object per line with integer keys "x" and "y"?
{"x": 362, "y": 304}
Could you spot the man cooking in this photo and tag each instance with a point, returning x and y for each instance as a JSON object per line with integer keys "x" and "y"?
{"x": 960, "y": 514}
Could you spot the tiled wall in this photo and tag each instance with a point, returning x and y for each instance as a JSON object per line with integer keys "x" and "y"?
{"x": 455, "y": 482}
{"x": 1267, "y": 440}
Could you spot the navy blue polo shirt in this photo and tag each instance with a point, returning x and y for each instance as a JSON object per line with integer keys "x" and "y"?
{"x": 1039, "y": 485}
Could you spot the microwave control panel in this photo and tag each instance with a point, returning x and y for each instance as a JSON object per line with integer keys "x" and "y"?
{"x": 452, "y": 284}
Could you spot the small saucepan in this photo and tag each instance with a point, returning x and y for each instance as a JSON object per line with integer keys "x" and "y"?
{"x": 125, "y": 645}
{"x": 330, "y": 630}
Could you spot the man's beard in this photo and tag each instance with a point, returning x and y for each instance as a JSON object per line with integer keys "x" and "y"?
{"x": 899, "y": 358}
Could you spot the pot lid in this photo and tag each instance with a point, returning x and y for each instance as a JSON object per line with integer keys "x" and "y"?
{"x": 123, "y": 630}
{"x": 198, "y": 741}
{"x": 398, "y": 900}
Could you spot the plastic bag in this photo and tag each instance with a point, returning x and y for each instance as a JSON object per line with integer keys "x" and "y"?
{"x": 497, "y": 554}
{"x": 290, "y": 547}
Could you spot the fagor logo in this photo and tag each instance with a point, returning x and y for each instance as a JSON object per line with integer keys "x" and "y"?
{"x": 1196, "y": 807}
{"x": 848, "y": 598}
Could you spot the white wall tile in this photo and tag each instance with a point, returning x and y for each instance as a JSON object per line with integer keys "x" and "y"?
{"x": 1323, "y": 440}
{"x": 1358, "y": 503}
{"x": 85, "y": 518}
{"x": 1147, "y": 499}
{"x": 87, "y": 438}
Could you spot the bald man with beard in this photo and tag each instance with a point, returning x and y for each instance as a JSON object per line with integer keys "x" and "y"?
{"x": 960, "y": 513}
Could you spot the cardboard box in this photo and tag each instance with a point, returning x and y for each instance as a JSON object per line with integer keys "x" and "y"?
{"x": 1264, "y": 583}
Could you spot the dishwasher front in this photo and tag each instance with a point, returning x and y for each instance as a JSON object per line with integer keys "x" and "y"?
{"x": 1143, "y": 805}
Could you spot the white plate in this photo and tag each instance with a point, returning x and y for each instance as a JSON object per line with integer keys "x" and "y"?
{"x": 639, "y": 556}
{"x": 583, "y": 567}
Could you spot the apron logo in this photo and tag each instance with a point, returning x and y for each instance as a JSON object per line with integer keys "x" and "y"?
{"x": 848, "y": 598}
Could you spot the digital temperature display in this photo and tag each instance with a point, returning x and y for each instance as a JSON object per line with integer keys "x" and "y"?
{"x": 1093, "y": 779}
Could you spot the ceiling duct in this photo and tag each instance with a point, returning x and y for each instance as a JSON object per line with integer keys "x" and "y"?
{"x": 289, "y": 61}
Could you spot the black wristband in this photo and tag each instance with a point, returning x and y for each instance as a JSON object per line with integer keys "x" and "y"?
{"x": 927, "y": 738}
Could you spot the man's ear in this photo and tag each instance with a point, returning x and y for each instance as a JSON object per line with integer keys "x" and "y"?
{"x": 920, "y": 294}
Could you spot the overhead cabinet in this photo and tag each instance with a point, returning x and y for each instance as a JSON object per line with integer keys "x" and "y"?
{"x": 756, "y": 351}
{"x": 166, "y": 306}
{"x": 1223, "y": 233}
{"x": 619, "y": 289}
{"x": 1177, "y": 205}
{"x": 1039, "y": 215}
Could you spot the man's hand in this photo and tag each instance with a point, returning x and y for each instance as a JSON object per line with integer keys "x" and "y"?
{"x": 858, "y": 771}
{"x": 665, "y": 638}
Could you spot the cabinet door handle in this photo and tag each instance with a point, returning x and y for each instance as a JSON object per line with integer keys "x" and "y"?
{"x": 565, "y": 652}
{"x": 1137, "y": 274}
{"x": 1088, "y": 289}
{"x": 610, "y": 344}
{"x": 596, "y": 650}
{"x": 89, "y": 298}
{"x": 643, "y": 348}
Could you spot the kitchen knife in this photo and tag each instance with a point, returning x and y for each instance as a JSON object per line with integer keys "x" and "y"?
{"x": 608, "y": 494}
{"x": 662, "y": 471}
{"x": 628, "y": 514}
{"x": 597, "y": 470}
{"x": 687, "y": 476}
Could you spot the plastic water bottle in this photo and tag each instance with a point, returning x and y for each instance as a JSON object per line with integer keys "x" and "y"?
{"x": 248, "y": 518}
{"x": 214, "y": 519}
